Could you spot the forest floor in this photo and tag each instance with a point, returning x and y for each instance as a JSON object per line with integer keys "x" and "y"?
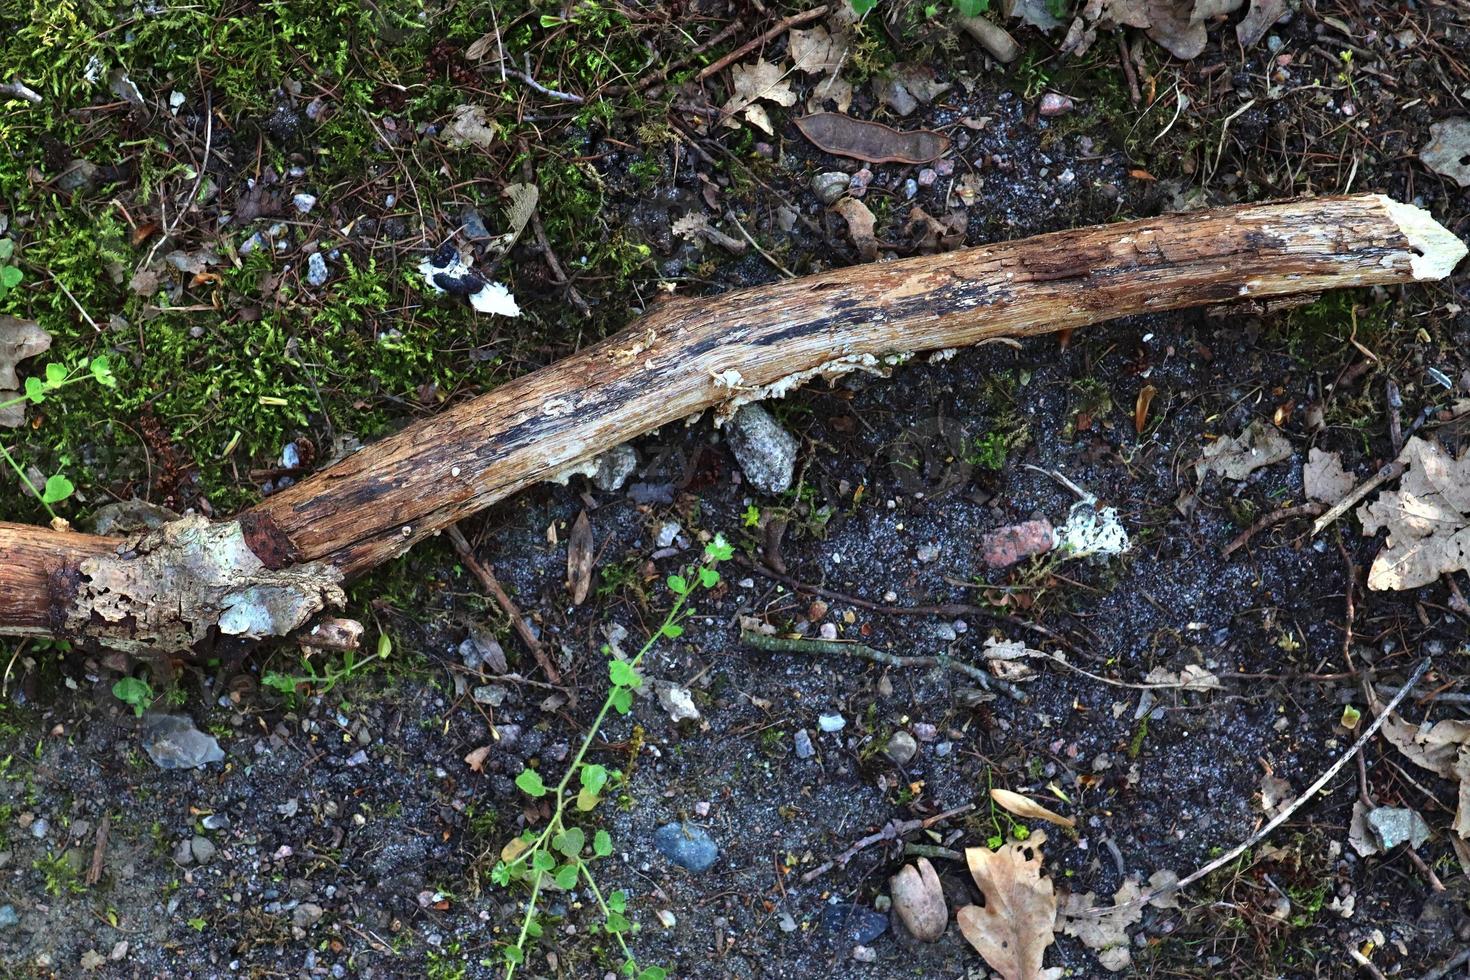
{"x": 230, "y": 201}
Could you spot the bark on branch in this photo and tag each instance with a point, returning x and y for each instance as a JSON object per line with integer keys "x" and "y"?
{"x": 266, "y": 572}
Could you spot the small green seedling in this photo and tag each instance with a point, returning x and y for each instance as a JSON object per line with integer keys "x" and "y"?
{"x": 559, "y": 854}
{"x": 135, "y": 692}
{"x": 322, "y": 681}
{"x": 10, "y": 276}
{"x": 56, "y": 376}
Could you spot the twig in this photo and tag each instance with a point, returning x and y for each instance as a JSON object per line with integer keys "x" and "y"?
{"x": 893, "y": 830}
{"x": 756, "y": 245}
{"x": 1389, "y": 471}
{"x": 1285, "y": 814}
{"x": 526, "y": 77}
{"x": 19, "y": 90}
{"x": 507, "y": 605}
{"x": 932, "y": 851}
{"x": 1448, "y": 966}
{"x": 1394, "y": 403}
{"x": 1134, "y": 95}
{"x": 99, "y": 850}
{"x": 945, "y": 609}
{"x": 749, "y": 46}
{"x": 781, "y": 644}
{"x": 1270, "y": 520}
{"x": 552, "y": 262}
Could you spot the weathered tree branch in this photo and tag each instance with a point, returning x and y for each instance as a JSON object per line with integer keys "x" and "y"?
{"x": 271, "y": 568}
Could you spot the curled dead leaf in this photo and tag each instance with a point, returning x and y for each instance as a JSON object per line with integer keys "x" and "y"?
{"x": 476, "y": 758}
{"x": 1261, "y": 444}
{"x": 871, "y": 142}
{"x": 1323, "y": 478}
{"x": 1140, "y": 407}
{"x": 1028, "y": 809}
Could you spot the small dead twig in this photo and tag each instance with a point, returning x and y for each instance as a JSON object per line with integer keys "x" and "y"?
{"x": 893, "y": 830}
{"x": 502, "y": 598}
{"x": 1282, "y": 816}
{"x": 946, "y": 609}
{"x": 1448, "y": 966}
{"x": 795, "y": 20}
{"x": 1271, "y": 520}
{"x": 99, "y": 850}
{"x": 20, "y": 90}
{"x": 1134, "y": 95}
{"x": 1389, "y": 471}
{"x": 781, "y": 644}
{"x": 530, "y": 80}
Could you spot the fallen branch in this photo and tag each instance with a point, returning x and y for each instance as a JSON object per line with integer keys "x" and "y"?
{"x": 267, "y": 572}
{"x": 507, "y": 605}
{"x": 892, "y": 830}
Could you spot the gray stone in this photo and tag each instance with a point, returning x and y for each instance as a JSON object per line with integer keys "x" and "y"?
{"x": 687, "y": 846}
{"x": 306, "y": 915}
{"x": 183, "y": 853}
{"x": 901, "y": 748}
{"x": 172, "y": 742}
{"x": 473, "y": 225}
{"x": 765, "y": 451}
{"x": 129, "y": 516}
{"x": 804, "y": 747}
{"x": 216, "y": 821}
{"x": 203, "y": 849}
{"x": 492, "y": 694}
{"x": 39, "y": 828}
{"x": 316, "y": 269}
{"x": 854, "y": 923}
{"x": 614, "y": 467}
{"x": 1393, "y": 825}
{"x": 831, "y": 722}
{"x": 9, "y": 918}
{"x": 304, "y": 202}
{"x": 830, "y": 186}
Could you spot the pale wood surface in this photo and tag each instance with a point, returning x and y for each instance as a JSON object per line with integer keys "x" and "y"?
{"x": 688, "y": 355}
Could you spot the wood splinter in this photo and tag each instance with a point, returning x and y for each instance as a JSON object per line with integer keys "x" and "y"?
{"x": 280, "y": 563}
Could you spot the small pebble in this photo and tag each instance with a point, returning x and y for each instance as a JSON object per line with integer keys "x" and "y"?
{"x": 829, "y": 186}
{"x": 304, "y": 202}
{"x": 804, "y": 747}
{"x": 39, "y": 828}
{"x": 1055, "y": 104}
{"x": 832, "y": 722}
{"x": 901, "y": 748}
{"x": 686, "y": 845}
{"x": 316, "y": 269}
{"x": 829, "y": 631}
{"x": 203, "y": 849}
{"x": 927, "y": 177}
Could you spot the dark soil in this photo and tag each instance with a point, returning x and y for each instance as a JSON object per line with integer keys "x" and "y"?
{"x": 358, "y": 842}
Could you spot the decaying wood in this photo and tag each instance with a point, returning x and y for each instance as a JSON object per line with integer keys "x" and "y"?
{"x": 270, "y": 569}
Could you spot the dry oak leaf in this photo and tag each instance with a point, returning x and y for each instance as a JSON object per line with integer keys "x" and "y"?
{"x": 752, "y": 84}
{"x": 19, "y": 339}
{"x": 1105, "y": 932}
{"x": 1261, "y": 444}
{"x": 859, "y": 226}
{"x": 1014, "y": 927}
{"x": 1323, "y": 478}
{"x": 1427, "y": 519}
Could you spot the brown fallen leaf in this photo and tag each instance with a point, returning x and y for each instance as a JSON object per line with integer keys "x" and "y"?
{"x": 19, "y": 339}
{"x": 1014, "y": 927}
{"x": 476, "y": 758}
{"x": 859, "y": 226}
{"x": 1258, "y": 20}
{"x": 1324, "y": 479}
{"x": 1427, "y": 519}
{"x": 523, "y": 200}
{"x": 1028, "y": 809}
{"x": 753, "y": 84}
{"x": 1261, "y": 444}
{"x": 579, "y": 559}
{"x": 815, "y": 51}
{"x": 1276, "y": 794}
{"x": 1106, "y": 933}
{"x": 871, "y": 142}
{"x": 1442, "y": 748}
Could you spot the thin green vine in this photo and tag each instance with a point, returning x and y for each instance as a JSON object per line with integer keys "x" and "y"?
{"x": 555, "y": 854}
